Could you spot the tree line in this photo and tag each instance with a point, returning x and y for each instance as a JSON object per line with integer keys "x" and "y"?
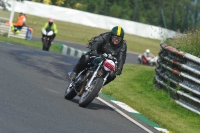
{"x": 177, "y": 15}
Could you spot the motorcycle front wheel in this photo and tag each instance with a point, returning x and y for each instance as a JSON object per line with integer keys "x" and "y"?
{"x": 70, "y": 92}
{"x": 88, "y": 95}
{"x": 46, "y": 45}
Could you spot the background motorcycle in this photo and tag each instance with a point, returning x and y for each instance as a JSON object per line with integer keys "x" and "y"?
{"x": 152, "y": 61}
{"x": 89, "y": 82}
{"x": 46, "y": 39}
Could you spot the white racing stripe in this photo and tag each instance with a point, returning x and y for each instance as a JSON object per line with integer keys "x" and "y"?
{"x": 162, "y": 130}
{"x": 123, "y": 114}
{"x": 125, "y": 106}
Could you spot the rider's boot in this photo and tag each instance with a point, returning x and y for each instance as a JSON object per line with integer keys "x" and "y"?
{"x": 79, "y": 67}
{"x": 76, "y": 70}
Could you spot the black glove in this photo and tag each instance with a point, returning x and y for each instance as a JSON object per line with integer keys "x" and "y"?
{"x": 94, "y": 53}
{"x": 104, "y": 55}
{"x": 118, "y": 71}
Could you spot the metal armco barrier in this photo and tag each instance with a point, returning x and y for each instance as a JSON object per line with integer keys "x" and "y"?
{"x": 179, "y": 73}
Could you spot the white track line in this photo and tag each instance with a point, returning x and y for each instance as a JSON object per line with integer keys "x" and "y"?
{"x": 126, "y": 116}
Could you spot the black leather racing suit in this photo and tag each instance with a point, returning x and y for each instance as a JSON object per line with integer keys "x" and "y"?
{"x": 103, "y": 44}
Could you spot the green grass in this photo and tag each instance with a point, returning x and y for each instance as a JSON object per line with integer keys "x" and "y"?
{"x": 30, "y": 43}
{"x": 135, "y": 87}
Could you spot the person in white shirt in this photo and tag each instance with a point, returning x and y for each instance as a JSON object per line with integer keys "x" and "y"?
{"x": 148, "y": 56}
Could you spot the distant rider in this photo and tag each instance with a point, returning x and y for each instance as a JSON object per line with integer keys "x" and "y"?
{"x": 148, "y": 56}
{"x": 51, "y": 25}
{"x": 111, "y": 43}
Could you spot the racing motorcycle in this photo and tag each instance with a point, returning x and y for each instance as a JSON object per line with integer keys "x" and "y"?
{"x": 152, "y": 61}
{"x": 89, "y": 82}
{"x": 46, "y": 40}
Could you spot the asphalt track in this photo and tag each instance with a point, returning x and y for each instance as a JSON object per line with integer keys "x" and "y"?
{"x": 32, "y": 85}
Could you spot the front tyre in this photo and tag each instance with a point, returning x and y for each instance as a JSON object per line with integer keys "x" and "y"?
{"x": 70, "y": 92}
{"x": 48, "y": 45}
{"x": 44, "y": 44}
{"x": 88, "y": 95}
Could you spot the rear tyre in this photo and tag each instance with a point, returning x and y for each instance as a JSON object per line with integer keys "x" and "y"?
{"x": 88, "y": 95}
{"x": 70, "y": 92}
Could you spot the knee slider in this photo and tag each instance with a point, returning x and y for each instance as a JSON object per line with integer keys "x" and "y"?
{"x": 84, "y": 59}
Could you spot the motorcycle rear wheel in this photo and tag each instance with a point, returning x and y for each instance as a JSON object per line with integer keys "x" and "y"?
{"x": 70, "y": 92}
{"x": 89, "y": 95}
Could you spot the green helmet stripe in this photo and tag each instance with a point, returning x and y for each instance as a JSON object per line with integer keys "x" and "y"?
{"x": 119, "y": 29}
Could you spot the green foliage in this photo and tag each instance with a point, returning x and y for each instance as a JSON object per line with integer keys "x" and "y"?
{"x": 113, "y": 12}
{"x": 188, "y": 42}
{"x": 60, "y": 2}
{"x": 170, "y": 14}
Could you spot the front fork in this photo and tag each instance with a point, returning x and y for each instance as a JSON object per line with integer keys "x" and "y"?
{"x": 77, "y": 75}
{"x": 93, "y": 76}
{"x": 105, "y": 78}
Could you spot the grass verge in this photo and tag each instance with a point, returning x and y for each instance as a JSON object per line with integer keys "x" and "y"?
{"x": 135, "y": 87}
{"x": 30, "y": 43}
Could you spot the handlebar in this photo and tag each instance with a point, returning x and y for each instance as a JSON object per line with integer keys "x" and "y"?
{"x": 105, "y": 56}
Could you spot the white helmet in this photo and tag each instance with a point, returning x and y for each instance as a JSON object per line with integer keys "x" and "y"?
{"x": 147, "y": 51}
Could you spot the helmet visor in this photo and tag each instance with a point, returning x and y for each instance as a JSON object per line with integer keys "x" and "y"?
{"x": 118, "y": 38}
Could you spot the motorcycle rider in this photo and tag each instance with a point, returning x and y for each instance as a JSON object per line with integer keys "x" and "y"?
{"x": 51, "y": 25}
{"x": 148, "y": 56}
{"x": 110, "y": 43}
